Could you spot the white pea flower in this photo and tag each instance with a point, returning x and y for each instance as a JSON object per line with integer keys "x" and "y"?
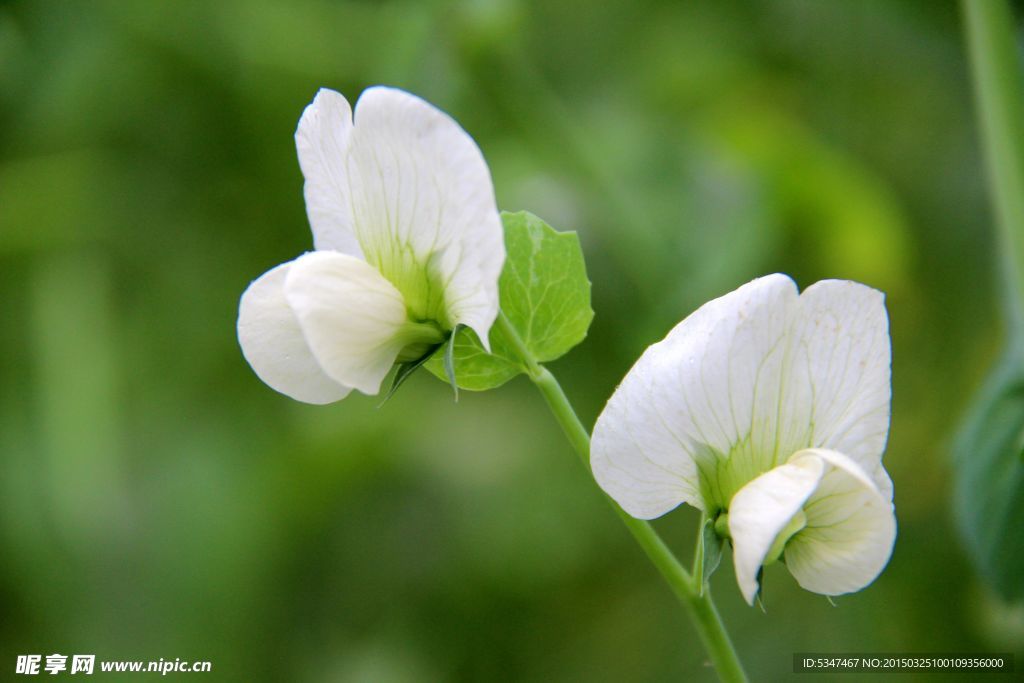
{"x": 769, "y": 411}
{"x": 408, "y": 245}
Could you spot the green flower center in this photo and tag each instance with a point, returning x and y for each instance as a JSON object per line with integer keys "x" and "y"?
{"x": 419, "y": 282}
{"x": 722, "y": 475}
{"x": 418, "y": 339}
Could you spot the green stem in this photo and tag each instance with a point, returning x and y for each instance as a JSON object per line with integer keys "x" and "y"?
{"x": 697, "y": 602}
{"x": 999, "y": 98}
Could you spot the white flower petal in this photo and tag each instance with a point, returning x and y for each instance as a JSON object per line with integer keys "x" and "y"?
{"x": 322, "y": 140}
{"x": 841, "y": 461}
{"x": 424, "y": 210}
{"x": 350, "y": 315}
{"x": 839, "y": 379}
{"x": 274, "y": 346}
{"x": 850, "y": 531}
{"x": 763, "y": 508}
{"x": 635, "y": 456}
{"x": 711, "y": 387}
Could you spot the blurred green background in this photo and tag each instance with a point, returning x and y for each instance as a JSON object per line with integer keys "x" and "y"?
{"x": 157, "y": 500}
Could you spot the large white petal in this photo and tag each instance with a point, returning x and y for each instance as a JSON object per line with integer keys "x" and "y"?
{"x": 635, "y": 454}
{"x": 350, "y": 315}
{"x": 839, "y": 377}
{"x": 763, "y": 508}
{"x": 322, "y": 140}
{"x": 274, "y": 346}
{"x": 850, "y": 531}
{"x": 709, "y": 391}
{"x": 424, "y": 208}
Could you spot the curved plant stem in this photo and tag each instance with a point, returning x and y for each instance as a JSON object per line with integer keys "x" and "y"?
{"x": 697, "y": 602}
{"x": 999, "y": 98}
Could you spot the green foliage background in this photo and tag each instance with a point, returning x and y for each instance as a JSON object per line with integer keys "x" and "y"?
{"x": 157, "y": 501}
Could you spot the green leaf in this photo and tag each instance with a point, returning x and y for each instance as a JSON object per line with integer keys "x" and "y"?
{"x": 449, "y": 361}
{"x": 406, "y": 370}
{"x": 989, "y": 486}
{"x": 709, "y": 553}
{"x": 544, "y": 293}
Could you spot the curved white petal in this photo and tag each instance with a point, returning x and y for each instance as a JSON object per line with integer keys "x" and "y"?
{"x": 424, "y": 210}
{"x": 635, "y": 455}
{"x": 709, "y": 391}
{"x": 762, "y": 509}
{"x": 274, "y": 346}
{"x": 350, "y": 316}
{"x": 850, "y": 531}
{"x": 322, "y": 140}
{"x": 839, "y": 379}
